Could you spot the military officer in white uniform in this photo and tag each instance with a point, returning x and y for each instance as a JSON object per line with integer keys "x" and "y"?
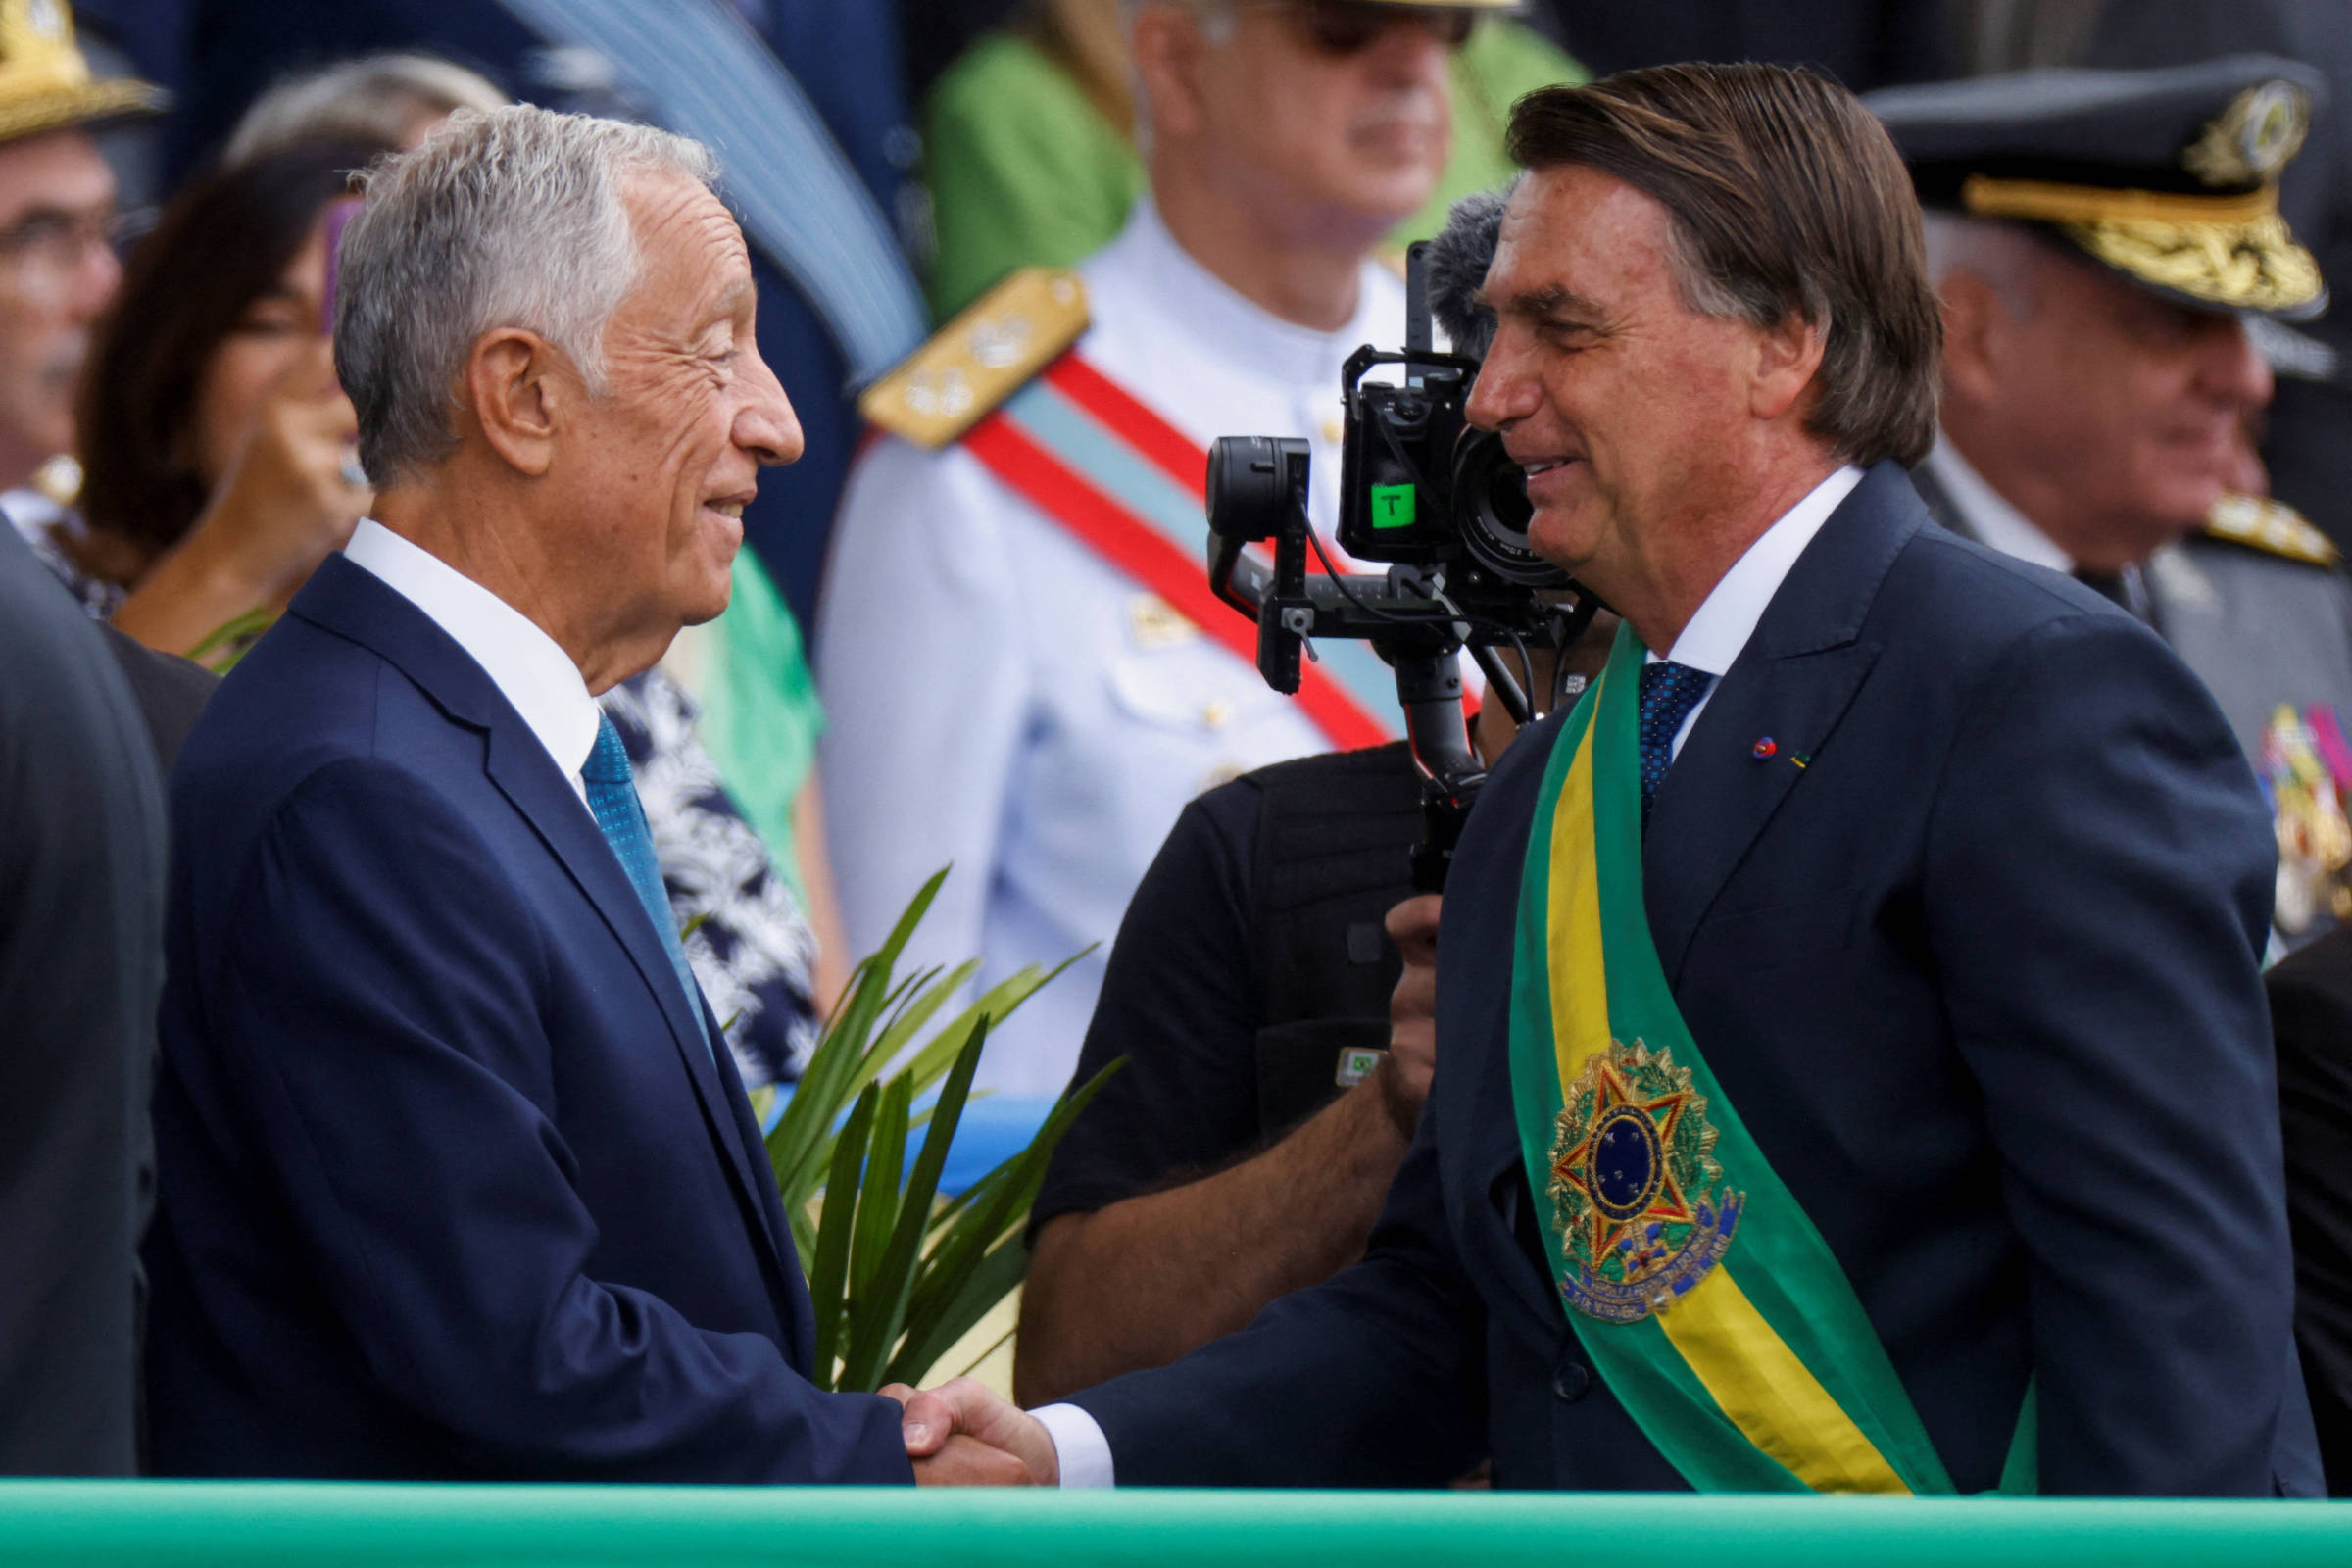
{"x": 2098, "y": 238}
{"x": 1002, "y": 695}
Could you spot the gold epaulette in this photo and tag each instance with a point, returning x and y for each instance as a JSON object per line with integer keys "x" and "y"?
{"x": 984, "y": 356}
{"x": 2271, "y": 526}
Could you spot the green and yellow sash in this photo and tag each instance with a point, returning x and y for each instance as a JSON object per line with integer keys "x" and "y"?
{"x": 1702, "y": 1292}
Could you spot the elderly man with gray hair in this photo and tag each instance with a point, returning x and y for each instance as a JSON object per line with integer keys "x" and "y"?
{"x": 454, "y": 1183}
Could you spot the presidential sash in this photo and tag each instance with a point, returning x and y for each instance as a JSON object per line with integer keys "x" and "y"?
{"x": 1702, "y": 1292}
{"x": 1131, "y": 487}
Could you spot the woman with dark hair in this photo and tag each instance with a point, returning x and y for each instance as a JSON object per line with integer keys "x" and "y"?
{"x": 216, "y": 446}
{"x": 219, "y": 470}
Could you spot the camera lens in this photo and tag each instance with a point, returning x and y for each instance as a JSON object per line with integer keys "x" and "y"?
{"x": 1496, "y": 513}
{"x": 1248, "y": 487}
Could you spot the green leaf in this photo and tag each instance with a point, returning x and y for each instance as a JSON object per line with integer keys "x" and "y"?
{"x": 964, "y": 1302}
{"x": 828, "y": 1278}
{"x": 911, "y": 1019}
{"x": 878, "y": 1192}
{"x": 796, "y": 1146}
{"x": 924, "y": 997}
{"x": 885, "y": 1047}
{"x": 892, "y": 1270}
{"x": 893, "y": 1283}
{"x": 997, "y": 1004}
{"x": 963, "y": 1243}
{"x": 234, "y": 630}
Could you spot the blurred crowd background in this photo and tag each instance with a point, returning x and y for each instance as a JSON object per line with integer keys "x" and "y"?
{"x": 889, "y": 165}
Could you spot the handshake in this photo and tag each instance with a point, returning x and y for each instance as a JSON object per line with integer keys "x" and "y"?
{"x": 962, "y": 1434}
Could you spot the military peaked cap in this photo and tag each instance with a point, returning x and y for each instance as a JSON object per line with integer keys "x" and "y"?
{"x": 2169, "y": 177}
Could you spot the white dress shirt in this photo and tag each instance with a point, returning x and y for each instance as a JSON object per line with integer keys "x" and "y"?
{"x": 530, "y": 671}
{"x": 1712, "y": 639}
{"x": 1727, "y": 617}
{"x": 999, "y": 697}
{"x": 1988, "y": 513}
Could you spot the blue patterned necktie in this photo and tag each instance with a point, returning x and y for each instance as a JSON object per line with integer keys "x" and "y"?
{"x": 613, "y": 797}
{"x": 1669, "y": 691}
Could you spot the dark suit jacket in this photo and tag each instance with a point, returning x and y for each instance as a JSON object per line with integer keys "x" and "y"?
{"x": 451, "y": 1185}
{"x": 1981, "y": 980}
{"x": 170, "y": 691}
{"x": 2311, "y": 1011}
{"x": 81, "y": 882}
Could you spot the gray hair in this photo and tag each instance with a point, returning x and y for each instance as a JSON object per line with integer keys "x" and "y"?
{"x": 376, "y": 99}
{"x": 509, "y": 219}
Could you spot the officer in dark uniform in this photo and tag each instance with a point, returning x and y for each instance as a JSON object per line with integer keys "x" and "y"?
{"x": 2100, "y": 239}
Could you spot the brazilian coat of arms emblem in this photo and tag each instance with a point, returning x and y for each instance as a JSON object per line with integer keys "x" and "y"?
{"x": 1634, "y": 1185}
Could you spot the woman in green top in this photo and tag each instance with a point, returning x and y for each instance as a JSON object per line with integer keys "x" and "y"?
{"x": 1029, "y": 135}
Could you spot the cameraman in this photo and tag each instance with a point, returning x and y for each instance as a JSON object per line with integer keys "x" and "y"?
{"x": 1277, "y": 1051}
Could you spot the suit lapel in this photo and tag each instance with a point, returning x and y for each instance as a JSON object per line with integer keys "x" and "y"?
{"x": 523, "y": 770}
{"x": 353, "y": 602}
{"x": 1790, "y": 685}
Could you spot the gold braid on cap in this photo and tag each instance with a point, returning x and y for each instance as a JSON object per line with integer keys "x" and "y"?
{"x": 2047, "y": 201}
{"x": 2242, "y": 266}
{"x": 2234, "y": 250}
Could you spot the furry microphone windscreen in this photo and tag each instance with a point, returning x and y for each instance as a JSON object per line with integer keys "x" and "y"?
{"x": 1457, "y": 260}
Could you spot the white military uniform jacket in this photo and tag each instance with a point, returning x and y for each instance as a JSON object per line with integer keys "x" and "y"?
{"x": 1001, "y": 698}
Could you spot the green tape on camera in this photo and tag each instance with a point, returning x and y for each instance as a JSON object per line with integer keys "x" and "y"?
{"x": 1392, "y": 506}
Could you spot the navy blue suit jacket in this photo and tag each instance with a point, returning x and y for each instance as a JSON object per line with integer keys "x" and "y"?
{"x": 450, "y": 1182}
{"x": 1981, "y": 980}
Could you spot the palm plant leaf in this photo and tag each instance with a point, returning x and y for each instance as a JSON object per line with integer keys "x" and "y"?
{"x": 230, "y": 632}
{"x": 795, "y": 1148}
{"x": 898, "y": 1275}
{"x": 959, "y": 1248}
{"x": 997, "y": 1002}
{"x": 828, "y": 1278}
{"x": 885, "y": 1309}
{"x": 962, "y": 1303}
{"x": 878, "y": 1192}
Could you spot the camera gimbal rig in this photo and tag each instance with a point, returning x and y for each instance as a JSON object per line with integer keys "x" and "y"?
{"x": 1412, "y": 615}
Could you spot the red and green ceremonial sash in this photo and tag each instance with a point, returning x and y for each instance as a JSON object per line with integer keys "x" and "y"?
{"x": 1704, "y": 1293}
{"x": 1130, "y": 486}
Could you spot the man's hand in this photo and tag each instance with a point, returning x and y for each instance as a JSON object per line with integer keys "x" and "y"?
{"x": 960, "y": 1434}
{"x": 1412, "y": 1010}
{"x": 963, "y": 1462}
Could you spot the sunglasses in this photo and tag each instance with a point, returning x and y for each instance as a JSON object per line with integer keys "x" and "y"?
{"x": 1342, "y": 27}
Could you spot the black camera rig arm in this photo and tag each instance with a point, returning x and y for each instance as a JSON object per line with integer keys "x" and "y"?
{"x": 1257, "y": 489}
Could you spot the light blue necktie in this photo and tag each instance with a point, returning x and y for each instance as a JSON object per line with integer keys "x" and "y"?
{"x": 613, "y": 797}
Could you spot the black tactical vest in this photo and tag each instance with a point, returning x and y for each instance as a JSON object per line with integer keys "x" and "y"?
{"x": 1335, "y": 835}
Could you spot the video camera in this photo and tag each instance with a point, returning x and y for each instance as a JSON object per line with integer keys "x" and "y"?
{"x": 1430, "y": 494}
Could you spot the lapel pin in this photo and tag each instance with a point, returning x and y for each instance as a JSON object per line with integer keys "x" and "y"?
{"x": 1766, "y": 748}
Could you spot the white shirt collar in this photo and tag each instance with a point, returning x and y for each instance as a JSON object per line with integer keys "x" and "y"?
{"x": 1146, "y": 260}
{"x": 526, "y": 665}
{"x": 1989, "y": 515}
{"x": 1727, "y": 617}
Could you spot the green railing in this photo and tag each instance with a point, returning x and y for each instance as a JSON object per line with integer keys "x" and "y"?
{"x": 255, "y": 1524}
